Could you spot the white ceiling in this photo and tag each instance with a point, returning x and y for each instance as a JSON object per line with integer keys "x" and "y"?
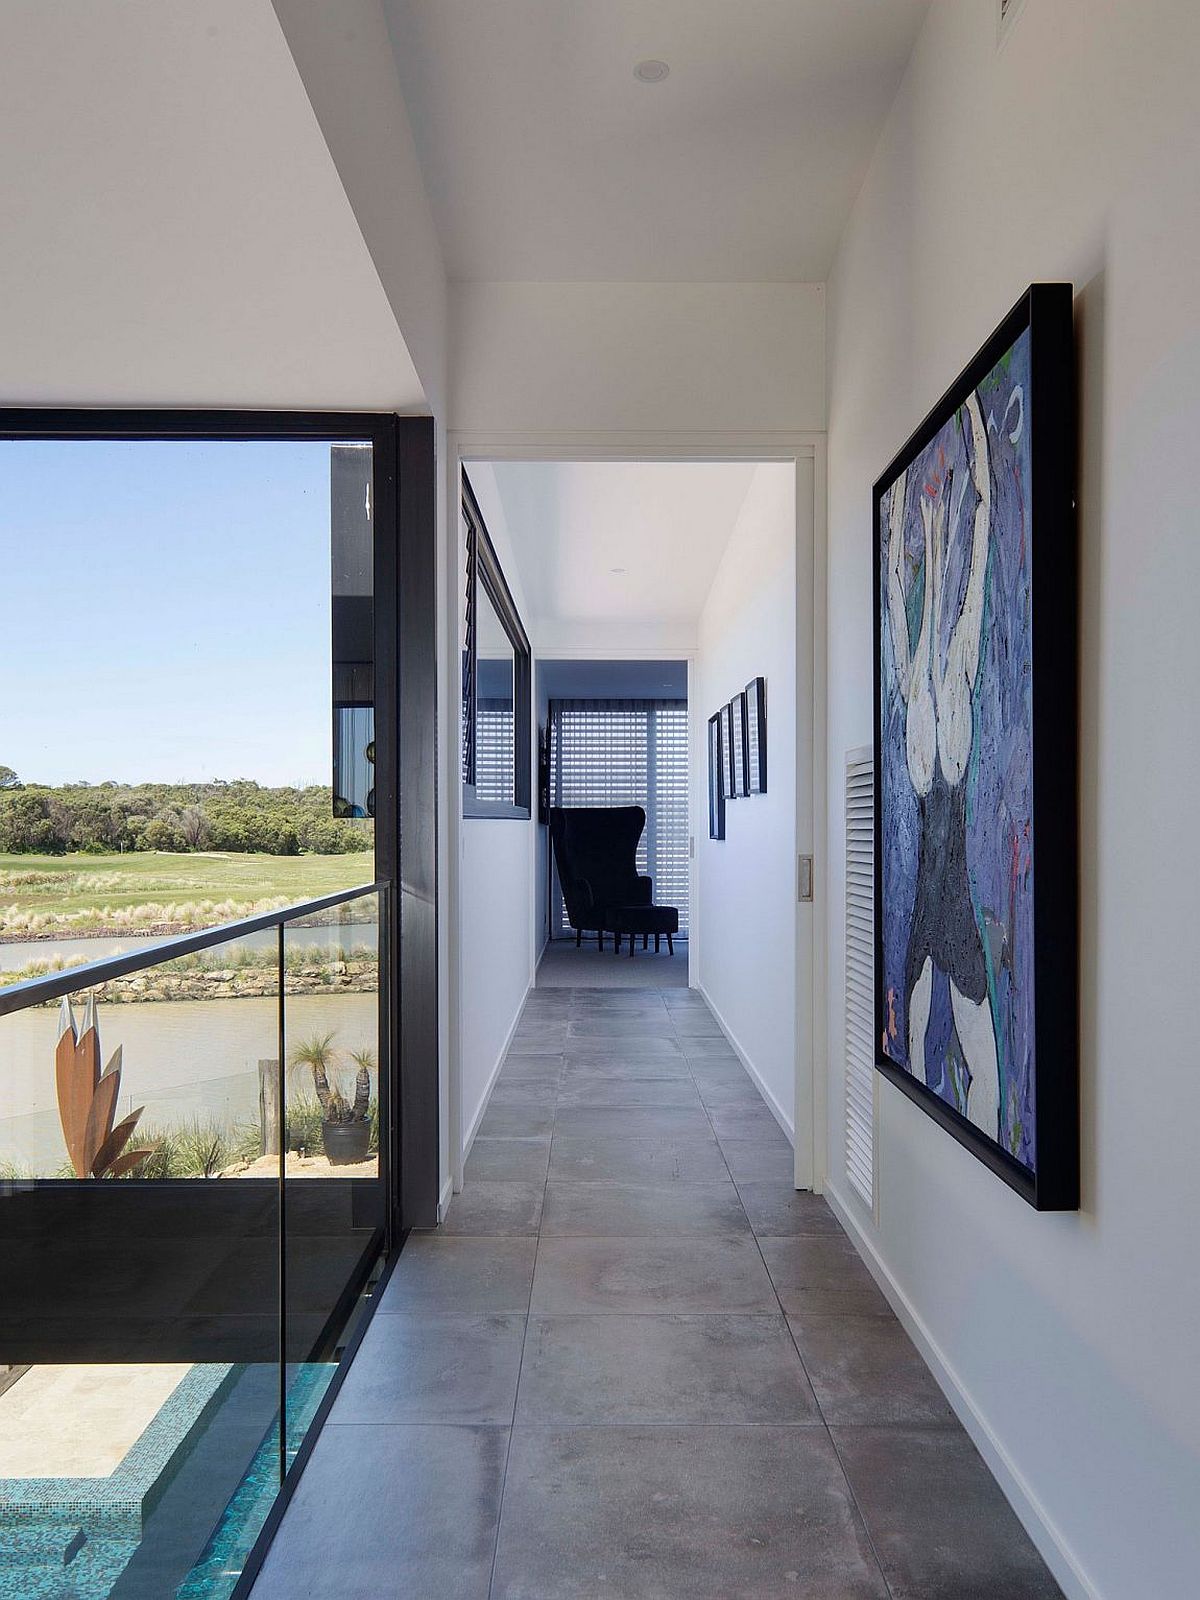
{"x": 545, "y": 158}
{"x": 175, "y": 231}
{"x": 572, "y": 522}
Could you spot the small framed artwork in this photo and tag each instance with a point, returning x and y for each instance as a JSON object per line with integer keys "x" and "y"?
{"x": 727, "y": 776}
{"x": 756, "y": 736}
{"x": 716, "y": 785}
{"x": 976, "y": 849}
{"x": 738, "y": 706}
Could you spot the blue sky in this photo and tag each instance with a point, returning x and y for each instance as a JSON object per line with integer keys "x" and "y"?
{"x": 164, "y": 611}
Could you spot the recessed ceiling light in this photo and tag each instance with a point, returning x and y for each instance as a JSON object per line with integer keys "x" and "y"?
{"x": 651, "y": 71}
{"x": 616, "y": 569}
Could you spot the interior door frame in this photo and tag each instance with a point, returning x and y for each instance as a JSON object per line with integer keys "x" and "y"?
{"x": 466, "y": 445}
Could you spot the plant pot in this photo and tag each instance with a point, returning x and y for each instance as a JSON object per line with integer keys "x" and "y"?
{"x": 346, "y": 1142}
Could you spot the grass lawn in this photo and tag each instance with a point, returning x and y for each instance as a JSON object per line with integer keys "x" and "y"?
{"x": 74, "y": 893}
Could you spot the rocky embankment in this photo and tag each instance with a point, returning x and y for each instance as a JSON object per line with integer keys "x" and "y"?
{"x": 239, "y": 983}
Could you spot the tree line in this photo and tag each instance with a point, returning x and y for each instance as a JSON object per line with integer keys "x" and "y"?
{"x": 104, "y": 818}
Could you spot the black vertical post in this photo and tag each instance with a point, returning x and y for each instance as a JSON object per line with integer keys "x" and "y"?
{"x": 414, "y": 918}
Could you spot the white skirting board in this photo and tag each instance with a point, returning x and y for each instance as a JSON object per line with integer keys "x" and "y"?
{"x": 444, "y": 1200}
{"x": 777, "y": 1111}
{"x": 1054, "y": 1549}
{"x": 492, "y": 1076}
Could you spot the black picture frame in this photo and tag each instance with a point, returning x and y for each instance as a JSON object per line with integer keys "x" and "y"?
{"x": 728, "y": 787}
{"x": 716, "y": 785}
{"x": 741, "y": 782}
{"x": 1051, "y": 1182}
{"x": 756, "y": 736}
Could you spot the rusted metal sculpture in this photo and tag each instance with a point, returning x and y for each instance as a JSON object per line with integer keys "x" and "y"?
{"x": 87, "y": 1100}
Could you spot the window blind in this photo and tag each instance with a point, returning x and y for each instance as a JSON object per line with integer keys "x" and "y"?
{"x": 495, "y": 753}
{"x": 620, "y": 753}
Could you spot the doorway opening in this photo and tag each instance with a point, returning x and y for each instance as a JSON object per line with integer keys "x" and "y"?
{"x": 613, "y": 735}
{"x": 632, "y": 578}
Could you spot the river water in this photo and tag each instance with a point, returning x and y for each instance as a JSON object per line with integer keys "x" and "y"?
{"x": 182, "y": 1060}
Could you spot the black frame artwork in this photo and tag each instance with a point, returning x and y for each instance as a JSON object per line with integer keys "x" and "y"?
{"x": 741, "y": 782}
{"x": 938, "y": 832}
{"x": 728, "y": 787}
{"x": 716, "y": 784}
{"x": 756, "y": 736}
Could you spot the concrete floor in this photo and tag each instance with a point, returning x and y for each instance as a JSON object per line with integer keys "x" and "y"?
{"x": 635, "y": 1362}
{"x": 567, "y": 966}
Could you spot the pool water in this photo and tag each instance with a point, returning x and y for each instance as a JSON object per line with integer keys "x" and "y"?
{"x": 96, "y": 1538}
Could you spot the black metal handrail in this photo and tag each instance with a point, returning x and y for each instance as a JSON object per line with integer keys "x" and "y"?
{"x": 37, "y": 991}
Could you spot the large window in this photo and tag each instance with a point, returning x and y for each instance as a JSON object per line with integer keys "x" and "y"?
{"x": 496, "y": 683}
{"x": 628, "y": 752}
{"x": 207, "y": 1140}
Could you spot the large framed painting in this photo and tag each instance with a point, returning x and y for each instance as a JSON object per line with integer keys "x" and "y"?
{"x": 976, "y": 847}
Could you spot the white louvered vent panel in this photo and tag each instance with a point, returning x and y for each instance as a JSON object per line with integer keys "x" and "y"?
{"x": 860, "y": 961}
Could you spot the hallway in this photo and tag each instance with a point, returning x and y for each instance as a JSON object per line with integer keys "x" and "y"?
{"x": 636, "y": 1362}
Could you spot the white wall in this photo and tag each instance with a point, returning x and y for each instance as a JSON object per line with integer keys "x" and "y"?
{"x": 496, "y": 891}
{"x": 175, "y": 232}
{"x": 622, "y": 357}
{"x": 1071, "y": 153}
{"x": 344, "y": 55}
{"x": 744, "y": 911}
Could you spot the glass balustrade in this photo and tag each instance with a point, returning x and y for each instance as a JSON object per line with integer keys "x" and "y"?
{"x": 191, "y": 1214}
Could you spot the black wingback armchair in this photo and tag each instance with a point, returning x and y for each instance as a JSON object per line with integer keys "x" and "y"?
{"x": 595, "y": 850}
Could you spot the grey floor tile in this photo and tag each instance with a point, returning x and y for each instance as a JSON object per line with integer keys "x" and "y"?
{"x": 622, "y": 1030}
{"x": 495, "y": 1207}
{"x": 731, "y": 1092}
{"x": 516, "y": 1122}
{"x": 530, "y": 1069}
{"x": 705, "y": 1048}
{"x": 436, "y": 1273}
{"x": 590, "y": 1090}
{"x": 747, "y": 1122}
{"x": 669, "y": 1513}
{"x": 866, "y": 1370}
{"x": 656, "y": 1274}
{"x": 615, "y": 1065}
{"x": 609, "y": 1048}
{"x": 696, "y": 1023}
{"x": 752, "y": 1161}
{"x": 939, "y": 1523}
{"x": 713, "y": 1072}
{"x": 684, "y": 1000}
{"x": 507, "y": 1161}
{"x": 629, "y": 1122}
{"x": 822, "y": 1276}
{"x": 546, "y": 1039}
{"x": 623, "y": 1211}
{"x": 438, "y": 1369}
{"x": 525, "y": 1091}
{"x": 390, "y": 1511}
{"x": 638, "y": 1161}
{"x": 652, "y": 1369}
{"x": 778, "y": 1208}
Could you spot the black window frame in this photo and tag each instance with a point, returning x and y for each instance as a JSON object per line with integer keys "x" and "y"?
{"x": 404, "y": 478}
{"x": 483, "y": 566}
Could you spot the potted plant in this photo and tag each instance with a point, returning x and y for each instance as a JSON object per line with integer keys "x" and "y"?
{"x": 345, "y": 1124}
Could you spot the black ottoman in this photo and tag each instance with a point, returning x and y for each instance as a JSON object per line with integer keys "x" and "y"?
{"x": 644, "y": 920}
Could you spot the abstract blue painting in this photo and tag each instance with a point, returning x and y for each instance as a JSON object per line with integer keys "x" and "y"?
{"x": 956, "y": 761}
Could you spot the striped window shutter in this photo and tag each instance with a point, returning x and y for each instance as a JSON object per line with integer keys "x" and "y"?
{"x": 628, "y": 752}
{"x": 860, "y": 969}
